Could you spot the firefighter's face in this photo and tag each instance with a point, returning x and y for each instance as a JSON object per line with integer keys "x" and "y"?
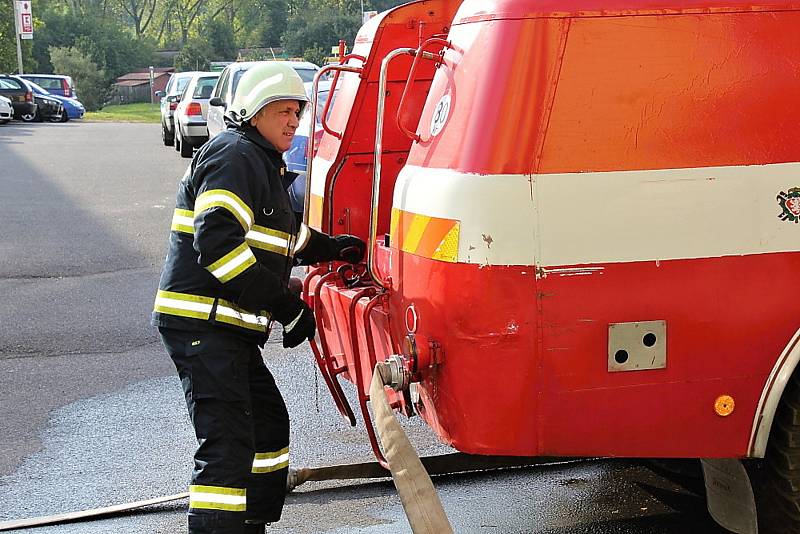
{"x": 277, "y": 122}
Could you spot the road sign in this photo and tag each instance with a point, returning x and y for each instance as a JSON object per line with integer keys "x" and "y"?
{"x": 24, "y": 19}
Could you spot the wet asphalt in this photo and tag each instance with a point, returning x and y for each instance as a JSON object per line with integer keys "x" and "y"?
{"x": 92, "y": 415}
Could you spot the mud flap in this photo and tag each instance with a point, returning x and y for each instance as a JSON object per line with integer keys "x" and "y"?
{"x": 729, "y": 495}
{"x": 420, "y": 500}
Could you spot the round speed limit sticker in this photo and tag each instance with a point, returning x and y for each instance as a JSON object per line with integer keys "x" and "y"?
{"x": 440, "y": 115}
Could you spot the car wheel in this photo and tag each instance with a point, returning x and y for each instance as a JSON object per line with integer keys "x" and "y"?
{"x": 186, "y": 149}
{"x": 64, "y": 116}
{"x": 166, "y": 137}
{"x": 3, "y": 121}
{"x": 29, "y": 117}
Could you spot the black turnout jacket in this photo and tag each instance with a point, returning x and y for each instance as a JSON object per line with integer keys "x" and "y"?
{"x": 234, "y": 239}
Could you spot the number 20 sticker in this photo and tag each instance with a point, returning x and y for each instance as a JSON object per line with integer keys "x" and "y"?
{"x": 440, "y": 115}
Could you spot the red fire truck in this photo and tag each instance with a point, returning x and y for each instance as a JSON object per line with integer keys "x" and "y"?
{"x": 583, "y": 233}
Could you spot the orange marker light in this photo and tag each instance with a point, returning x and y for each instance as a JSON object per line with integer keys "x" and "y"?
{"x": 724, "y": 405}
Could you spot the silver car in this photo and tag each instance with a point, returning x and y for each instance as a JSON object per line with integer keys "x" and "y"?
{"x": 190, "y": 114}
{"x": 169, "y": 101}
{"x": 6, "y": 111}
{"x": 229, "y": 80}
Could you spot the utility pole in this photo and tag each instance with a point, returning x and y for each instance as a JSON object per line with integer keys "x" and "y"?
{"x": 16, "y": 34}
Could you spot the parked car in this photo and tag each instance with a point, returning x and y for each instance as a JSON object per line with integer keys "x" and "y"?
{"x": 190, "y": 114}
{"x": 55, "y": 84}
{"x": 169, "y": 101}
{"x": 296, "y": 157}
{"x": 21, "y": 96}
{"x": 48, "y": 108}
{"x": 229, "y": 80}
{"x": 72, "y": 108}
{"x": 6, "y": 111}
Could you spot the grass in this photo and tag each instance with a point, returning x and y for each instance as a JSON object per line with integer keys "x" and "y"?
{"x": 126, "y": 113}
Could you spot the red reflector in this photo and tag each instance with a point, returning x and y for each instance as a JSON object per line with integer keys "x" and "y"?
{"x": 194, "y": 109}
{"x": 172, "y": 106}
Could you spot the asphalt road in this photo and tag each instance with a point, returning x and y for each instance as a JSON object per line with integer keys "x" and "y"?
{"x": 92, "y": 415}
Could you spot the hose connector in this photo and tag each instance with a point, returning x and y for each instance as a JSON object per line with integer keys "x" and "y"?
{"x": 399, "y": 375}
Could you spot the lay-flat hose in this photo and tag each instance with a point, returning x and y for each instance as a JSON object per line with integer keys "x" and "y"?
{"x": 420, "y": 500}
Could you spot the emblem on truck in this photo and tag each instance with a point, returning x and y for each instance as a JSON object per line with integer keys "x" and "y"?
{"x": 790, "y": 204}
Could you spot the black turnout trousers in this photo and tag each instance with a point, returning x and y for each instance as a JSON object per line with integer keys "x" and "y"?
{"x": 242, "y": 429}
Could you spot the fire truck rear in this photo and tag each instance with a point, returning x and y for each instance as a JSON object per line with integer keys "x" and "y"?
{"x": 583, "y": 230}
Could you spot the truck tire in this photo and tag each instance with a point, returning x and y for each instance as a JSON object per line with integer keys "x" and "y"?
{"x": 778, "y": 490}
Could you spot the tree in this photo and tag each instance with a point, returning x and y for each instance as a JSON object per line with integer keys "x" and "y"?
{"x": 8, "y": 44}
{"x": 219, "y": 36}
{"x": 140, "y": 12}
{"x": 195, "y": 55}
{"x": 90, "y": 81}
{"x": 323, "y": 29}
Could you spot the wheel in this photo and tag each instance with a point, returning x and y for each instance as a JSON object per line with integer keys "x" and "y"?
{"x": 177, "y": 139}
{"x": 3, "y": 121}
{"x": 64, "y": 116}
{"x": 30, "y": 117}
{"x": 777, "y": 477}
{"x": 186, "y": 149}
{"x": 166, "y": 137}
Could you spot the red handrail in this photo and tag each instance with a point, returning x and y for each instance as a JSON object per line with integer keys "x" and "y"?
{"x": 339, "y": 398}
{"x": 359, "y": 379}
{"x": 418, "y": 54}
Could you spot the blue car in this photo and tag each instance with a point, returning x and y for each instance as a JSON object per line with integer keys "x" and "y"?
{"x": 73, "y": 109}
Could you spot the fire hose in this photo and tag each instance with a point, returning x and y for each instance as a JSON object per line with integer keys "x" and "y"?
{"x": 411, "y": 474}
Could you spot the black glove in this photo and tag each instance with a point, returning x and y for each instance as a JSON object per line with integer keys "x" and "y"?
{"x": 297, "y": 320}
{"x": 349, "y": 248}
{"x": 322, "y": 247}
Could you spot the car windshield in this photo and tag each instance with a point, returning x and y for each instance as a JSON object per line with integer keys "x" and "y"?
{"x": 180, "y": 84}
{"x": 204, "y": 87}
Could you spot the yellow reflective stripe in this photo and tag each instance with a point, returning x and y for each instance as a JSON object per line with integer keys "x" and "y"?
{"x": 227, "y": 200}
{"x": 267, "y": 462}
{"x": 183, "y": 304}
{"x": 233, "y": 263}
{"x": 228, "y": 312}
{"x": 183, "y": 221}
{"x": 268, "y": 239}
{"x": 218, "y": 498}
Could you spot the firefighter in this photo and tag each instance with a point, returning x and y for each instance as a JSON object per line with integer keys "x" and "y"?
{"x": 233, "y": 242}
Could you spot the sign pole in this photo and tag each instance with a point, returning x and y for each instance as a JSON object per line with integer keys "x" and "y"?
{"x": 16, "y": 34}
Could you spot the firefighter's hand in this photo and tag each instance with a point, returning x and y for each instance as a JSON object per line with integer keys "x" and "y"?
{"x": 349, "y": 248}
{"x": 299, "y": 326}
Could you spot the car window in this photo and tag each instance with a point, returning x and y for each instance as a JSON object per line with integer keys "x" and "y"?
{"x": 38, "y": 88}
{"x": 204, "y": 87}
{"x": 6, "y": 83}
{"x": 48, "y": 83}
{"x": 222, "y": 84}
{"x": 307, "y": 75}
{"x": 236, "y": 77}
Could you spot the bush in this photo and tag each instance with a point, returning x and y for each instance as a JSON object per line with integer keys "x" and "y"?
{"x": 90, "y": 81}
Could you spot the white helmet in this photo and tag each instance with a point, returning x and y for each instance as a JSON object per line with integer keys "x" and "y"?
{"x": 264, "y": 83}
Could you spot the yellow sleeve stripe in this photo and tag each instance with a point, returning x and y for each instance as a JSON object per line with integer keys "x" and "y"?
{"x": 229, "y": 201}
{"x": 233, "y": 263}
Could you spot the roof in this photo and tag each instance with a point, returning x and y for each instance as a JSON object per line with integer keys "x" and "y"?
{"x": 131, "y": 83}
{"x": 478, "y": 10}
{"x": 141, "y": 76}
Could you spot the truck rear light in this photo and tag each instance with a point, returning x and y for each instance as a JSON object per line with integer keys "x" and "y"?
{"x": 193, "y": 109}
